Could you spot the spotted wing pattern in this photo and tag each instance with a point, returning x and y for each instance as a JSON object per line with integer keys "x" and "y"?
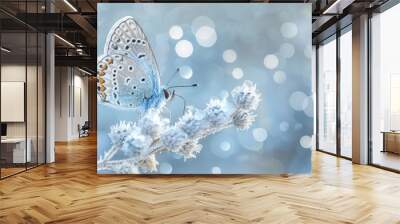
{"x": 128, "y": 74}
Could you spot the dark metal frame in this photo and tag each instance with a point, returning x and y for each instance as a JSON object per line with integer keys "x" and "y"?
{"x": 44, "y": 78}
{"x": 0, "y": 88}
{"x": 338, "y": 98}
{"x": 316, "y": 98}
{"x": 369, "y": 90}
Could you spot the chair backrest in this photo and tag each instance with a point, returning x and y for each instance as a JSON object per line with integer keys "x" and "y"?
{"x": 86, "y": 125}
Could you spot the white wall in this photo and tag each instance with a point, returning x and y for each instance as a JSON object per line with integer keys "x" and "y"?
{"x": 50, "y": 93}
{"x": 13, "y": 100}
{"x": 62, "y": 81}
{"x": 71, "y": 102}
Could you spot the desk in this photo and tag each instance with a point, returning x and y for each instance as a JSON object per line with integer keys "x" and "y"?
{"x": 391, "y": 141}
{"x": 16, "y": 147}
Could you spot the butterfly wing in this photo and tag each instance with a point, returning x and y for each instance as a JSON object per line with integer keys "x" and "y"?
{"x": 128, "y": 72}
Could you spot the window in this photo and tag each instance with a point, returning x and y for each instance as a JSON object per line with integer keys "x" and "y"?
{"x": 394, "y": 102}
{"x": 346, "y": 93}
{"x": 385, "y": 89}
{"x": 327, "y": 96}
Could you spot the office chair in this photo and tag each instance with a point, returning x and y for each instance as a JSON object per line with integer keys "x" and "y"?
{"x": 84, "y": 130}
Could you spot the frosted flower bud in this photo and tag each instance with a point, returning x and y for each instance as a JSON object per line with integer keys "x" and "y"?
{"x": 135, "y": 141}
{"x": 120, "y": 131}
{"x": 173, "y": 139}
{"x": 190, "y": 149}
{"x": 149, "y": 164}
{"x": 191, "y": 122}
{"x": 215, "y": 113}
{"x": 152, "y": 124}
{"x": 243, "y": 119}
{"x": 246, "y": 97}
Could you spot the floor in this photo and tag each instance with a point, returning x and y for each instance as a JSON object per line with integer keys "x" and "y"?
{"x": 70, "y": 191}
{"x": 5, "y": 172}
{"x": 386, "y": 159}
{"x": 10, "y": 171}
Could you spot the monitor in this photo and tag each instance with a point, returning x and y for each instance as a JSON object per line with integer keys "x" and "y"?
{"x": 12, "y": 98}
{"x": 3, "y": 129}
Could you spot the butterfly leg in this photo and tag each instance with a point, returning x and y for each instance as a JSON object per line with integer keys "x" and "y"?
{"x": 184, "y": 102}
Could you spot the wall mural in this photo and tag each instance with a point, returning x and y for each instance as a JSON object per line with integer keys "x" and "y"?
{"x": 204, "y": 88}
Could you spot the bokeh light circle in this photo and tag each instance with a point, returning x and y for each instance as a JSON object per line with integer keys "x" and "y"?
{"x": 279, "y": 77}
{"x": 260, "y": 134}
{"x": 306, "y": 141}
{"x": 271, "y": 61}
{"x": 298, "y": 100}
{"x": 186, "y": 72}
{"x": 176, "y": 32}
{"x": 165, "y": 168}
{"x": 225, "y": 146}
{"x": 216, "y": 170}
{"x": 206, "y": 36}
{"x": 184, "y": 48}
{"x": 289, "y": 30}
{"x": 237, "y": 73}
{"x": 229, "y": 56}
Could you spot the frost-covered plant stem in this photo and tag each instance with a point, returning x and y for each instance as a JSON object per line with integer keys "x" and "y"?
{"x": 152, "y": 134}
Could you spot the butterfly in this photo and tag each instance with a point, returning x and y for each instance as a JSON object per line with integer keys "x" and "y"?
{"x": 128, "y": 74}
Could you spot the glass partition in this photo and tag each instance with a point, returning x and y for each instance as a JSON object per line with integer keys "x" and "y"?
{"x": 41, "y": 97}
{"x": 22, "y": 77}
{"x": 346, "y": 93}
{"x": 327, "y": 96}
{"x": 13, "y": 95}
{"x": 385, "y": 89}
{"x": 314, "y": 93}
{"x": 31, "y": 98}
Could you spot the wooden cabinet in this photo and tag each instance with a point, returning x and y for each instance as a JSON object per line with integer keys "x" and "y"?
{"x": 391, "y": 142}
{"x": 14, "y": 152}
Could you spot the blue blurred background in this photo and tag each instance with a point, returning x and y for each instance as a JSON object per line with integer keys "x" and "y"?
{"x": 219, "y": 46}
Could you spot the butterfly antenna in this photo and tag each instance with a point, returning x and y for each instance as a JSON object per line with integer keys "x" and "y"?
{"x": 173, "y": 76}
{"x": 179, "y": 86}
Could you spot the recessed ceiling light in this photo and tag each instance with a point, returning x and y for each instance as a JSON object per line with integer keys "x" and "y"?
{"x": 70, "y": 5}
{"x": 337, "y": 7}
{"x": 65, "y": 41}
{"x": 84, "y": 71}
{"x": 5, "y": 50}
